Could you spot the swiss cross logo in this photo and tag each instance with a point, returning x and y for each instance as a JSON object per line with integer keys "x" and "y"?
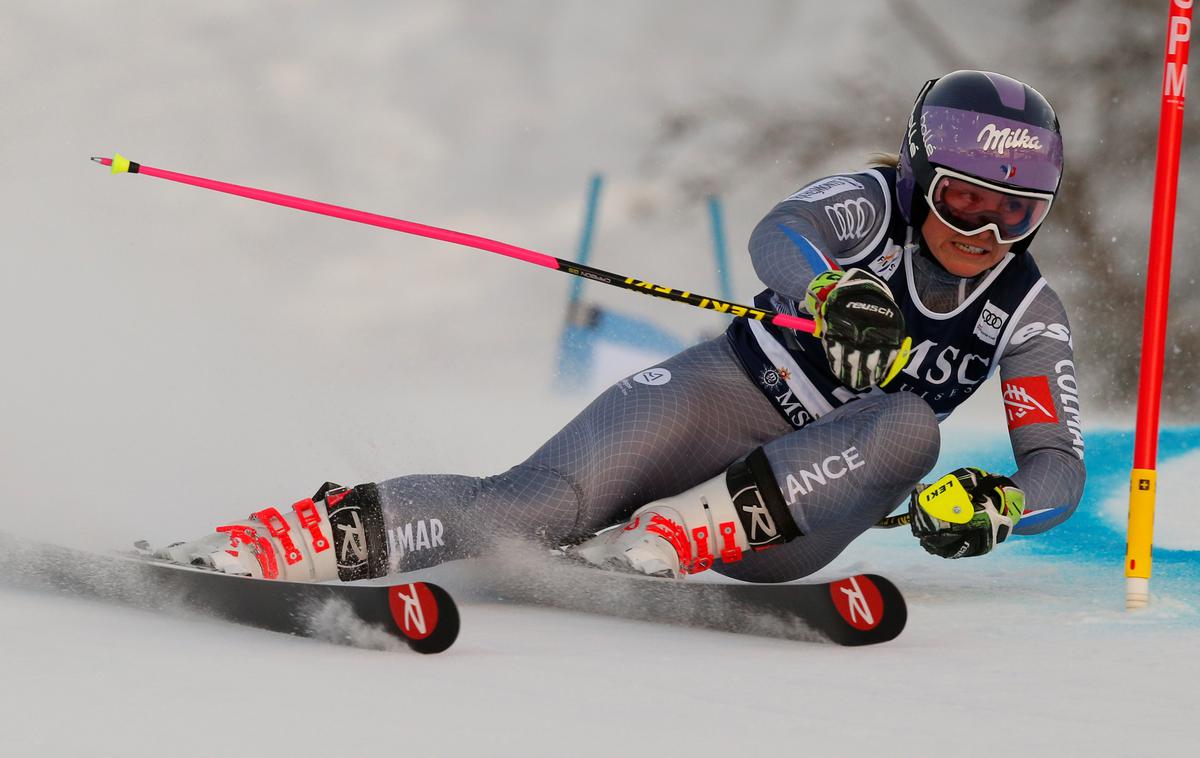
{"x": 858, "y": 600}
{"x": 1027, "y": 400}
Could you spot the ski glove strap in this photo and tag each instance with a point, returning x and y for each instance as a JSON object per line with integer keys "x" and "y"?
{"x": 860, "y": 326}
{"x": 965, "y": 513}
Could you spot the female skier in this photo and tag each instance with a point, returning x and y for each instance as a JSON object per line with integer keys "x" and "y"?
{"x": 919, "y": 278}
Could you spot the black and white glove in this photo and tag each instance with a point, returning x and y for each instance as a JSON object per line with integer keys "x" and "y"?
{"x": 965, "y": 513}
{"x": 860, "y": 326}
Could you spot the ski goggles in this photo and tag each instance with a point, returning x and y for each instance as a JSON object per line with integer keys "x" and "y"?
{"x": 970, "y": 206}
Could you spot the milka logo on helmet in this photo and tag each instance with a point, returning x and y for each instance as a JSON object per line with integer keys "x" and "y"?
{"x": 1000, "y": 140}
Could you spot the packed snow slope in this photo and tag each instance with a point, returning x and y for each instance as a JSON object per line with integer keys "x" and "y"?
{"x": 1026, "y": 652}
{"x": 177, "y": 357}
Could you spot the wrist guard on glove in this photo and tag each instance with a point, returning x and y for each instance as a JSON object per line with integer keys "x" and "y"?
{"x": 965, "y": 513}
{"x": 860, "y": 326}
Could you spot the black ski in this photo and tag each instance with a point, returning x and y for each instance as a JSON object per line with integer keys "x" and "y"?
{"x": 863, "y": 609}
{"x": 421, "y": 614}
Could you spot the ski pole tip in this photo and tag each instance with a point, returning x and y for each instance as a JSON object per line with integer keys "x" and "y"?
{"x": 119, "y": 163}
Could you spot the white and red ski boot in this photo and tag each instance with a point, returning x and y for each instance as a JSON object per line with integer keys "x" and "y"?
{"x": 721, "y": 518}
{"x": 335, "y": 534}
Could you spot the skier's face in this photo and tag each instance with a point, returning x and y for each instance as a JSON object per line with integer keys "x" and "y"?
{"x": 959, "y": 254}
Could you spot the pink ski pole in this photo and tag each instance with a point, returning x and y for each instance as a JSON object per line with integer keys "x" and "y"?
{"x": 121, "y": 165}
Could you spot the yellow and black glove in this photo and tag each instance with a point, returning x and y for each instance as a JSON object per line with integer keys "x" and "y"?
{"x": 860, "y": 327}
{"x": 965, "y": 513}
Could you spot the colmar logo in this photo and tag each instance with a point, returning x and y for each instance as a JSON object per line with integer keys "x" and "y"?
{"x": 858, "y": 601}
{"x": 406, "y": 539}
{"x": 1027, "y": 400}
{"x": 414, "y": 609}
{"x": 1068, "y": 395}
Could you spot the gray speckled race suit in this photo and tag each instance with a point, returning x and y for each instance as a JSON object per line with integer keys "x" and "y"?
{"x": 842, "y": 460}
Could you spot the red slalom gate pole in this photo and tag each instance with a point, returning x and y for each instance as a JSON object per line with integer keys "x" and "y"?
{"x": 1143, "y": 479}
{"x": 122, "y": 165}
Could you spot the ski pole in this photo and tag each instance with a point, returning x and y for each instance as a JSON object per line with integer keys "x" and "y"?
{"x": 122, "y": 165}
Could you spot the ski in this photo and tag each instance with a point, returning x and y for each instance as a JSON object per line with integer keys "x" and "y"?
{"x": 420, "y": 614}
{"x": 862, "y": 609}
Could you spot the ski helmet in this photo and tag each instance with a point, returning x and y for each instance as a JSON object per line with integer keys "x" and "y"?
{"x": 982, "y": 151}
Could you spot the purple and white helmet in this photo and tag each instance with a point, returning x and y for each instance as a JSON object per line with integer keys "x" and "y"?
{"x": 982, "y": 151}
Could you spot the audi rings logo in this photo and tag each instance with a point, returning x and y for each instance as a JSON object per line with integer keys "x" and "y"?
{"x": 990, "y": 322}
{"x": 851, "y": 219}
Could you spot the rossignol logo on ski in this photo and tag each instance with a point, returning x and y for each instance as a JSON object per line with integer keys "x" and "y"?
{"x": 858, "y": 601}
{"x": 414, "y": 609}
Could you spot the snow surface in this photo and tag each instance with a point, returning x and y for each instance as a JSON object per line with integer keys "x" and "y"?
{"x": 176, "y": 357}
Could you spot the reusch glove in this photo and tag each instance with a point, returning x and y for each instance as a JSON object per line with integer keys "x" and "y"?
{"x": 860, "y": 327}
{"x": 965, "y": 513}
